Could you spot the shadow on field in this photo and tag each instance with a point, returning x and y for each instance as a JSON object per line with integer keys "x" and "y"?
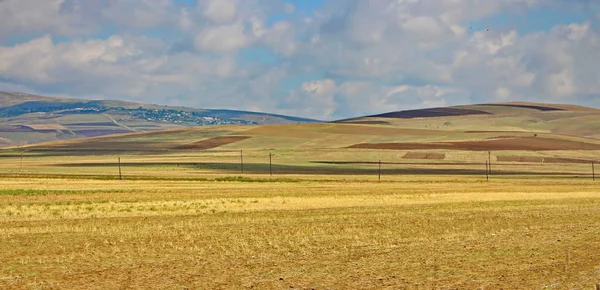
{"x": 263, "y": 168}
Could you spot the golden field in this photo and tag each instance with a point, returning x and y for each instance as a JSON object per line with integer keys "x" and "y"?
{"x": 302, "y": 233}
{"x": 187, "y": 215}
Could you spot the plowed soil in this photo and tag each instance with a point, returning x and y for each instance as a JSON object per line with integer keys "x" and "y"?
{"x": 519, "y": 143}
{"x": 212, "y": 143}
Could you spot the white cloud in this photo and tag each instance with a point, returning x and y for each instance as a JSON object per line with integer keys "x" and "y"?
{"x": 219, "y": 11}
{"x": 116, "y": 66}
{"x": 490, "y": 44}
{"x": 369, "y": 56}
{"x": 279, "y": 38}
{"x": 137, "y": 13}
{"x": 31, "y": 16}
{"x": 423, "y": 28}
{"x": 223, "y": 39}
{"x": 326, "y": 99}
{"x": 314, "y": 99}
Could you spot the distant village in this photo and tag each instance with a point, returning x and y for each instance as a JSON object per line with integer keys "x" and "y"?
{"x": 175, "y": 116}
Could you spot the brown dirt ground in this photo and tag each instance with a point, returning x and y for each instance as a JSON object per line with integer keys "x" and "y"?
{"x": 212, "y": 143}
{"x": 424, "y": 155}
{"x": 519, "y": 143}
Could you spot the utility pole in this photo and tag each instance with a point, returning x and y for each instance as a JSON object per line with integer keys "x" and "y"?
{"x": 379, "y": 175}
{"x": 593, "y": 172}
{"x": 487, "y": 176}
{"x": 270, "y": 164}
{"x": 22, "y": 150}
{"x": 242, "y": 160}
{"x": 120, "y": 175}
{"x": 490, "y": 162}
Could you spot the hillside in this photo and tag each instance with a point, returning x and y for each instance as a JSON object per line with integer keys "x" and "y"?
{"x": 525, "y": 127}
{"x": 507, "y": 117}
{"x": 28, "y": 119}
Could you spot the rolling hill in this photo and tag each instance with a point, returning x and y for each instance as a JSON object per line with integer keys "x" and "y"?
{"x": 508, "y": 126}
{"x": 518, "y": 138}
{"x": 27, "y": 119}
{"x": 509, "y": 117}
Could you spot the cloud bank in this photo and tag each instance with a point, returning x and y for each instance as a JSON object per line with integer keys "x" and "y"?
{"x": 321, "y": 59}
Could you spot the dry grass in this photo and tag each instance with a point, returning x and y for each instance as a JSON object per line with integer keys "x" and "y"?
{"x": 340, "y": 234}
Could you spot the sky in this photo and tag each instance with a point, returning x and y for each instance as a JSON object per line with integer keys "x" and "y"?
{"x": 323, "y": 59}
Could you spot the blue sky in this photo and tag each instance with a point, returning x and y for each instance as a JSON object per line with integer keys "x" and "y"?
{"x": 323, "y": 59}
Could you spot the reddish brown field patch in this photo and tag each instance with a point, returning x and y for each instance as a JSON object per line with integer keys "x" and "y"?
{"x": 518, "y": 143}
{"x": 212, "y": 143}
{"x": 424, "y": 155}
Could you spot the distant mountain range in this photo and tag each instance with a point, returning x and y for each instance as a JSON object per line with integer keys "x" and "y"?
{"x": 28, "y": 119}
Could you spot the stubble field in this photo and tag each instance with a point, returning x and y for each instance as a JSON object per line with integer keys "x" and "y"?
{"x": 188, "y": 215}
{"x": 299, "y": 232}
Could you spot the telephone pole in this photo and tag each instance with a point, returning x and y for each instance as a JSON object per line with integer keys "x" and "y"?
{"x": 242, "y": 160}
{"x": 120, "y": 175}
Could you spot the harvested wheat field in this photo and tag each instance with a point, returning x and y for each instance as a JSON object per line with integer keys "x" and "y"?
{"x": 400, "y": 202}
{"x": 253, "y": 233}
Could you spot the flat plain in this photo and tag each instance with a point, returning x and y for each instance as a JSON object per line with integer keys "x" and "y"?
{"x": 324, "y": 215}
